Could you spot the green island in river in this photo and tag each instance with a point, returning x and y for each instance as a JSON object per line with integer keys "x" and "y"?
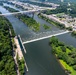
{"x": 30, "y": 22}
{"x": 46, "y": 27}
{"x": 61, "y": 26}
{"x": 65, "y": 54}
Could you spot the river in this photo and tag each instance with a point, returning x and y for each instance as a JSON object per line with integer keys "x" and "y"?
{"x": 39, "y": 59}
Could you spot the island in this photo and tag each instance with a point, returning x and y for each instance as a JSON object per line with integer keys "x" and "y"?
{"x": 29, "y": 21}
{"x": 65, "y": 54}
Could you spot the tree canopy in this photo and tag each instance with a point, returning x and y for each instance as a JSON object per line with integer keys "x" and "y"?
{"x": 7, "y": 65}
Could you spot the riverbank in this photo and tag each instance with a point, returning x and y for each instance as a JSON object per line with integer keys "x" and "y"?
{"x": 19, "y": 58}
{"x": 13, "y": 45}
{"x": 65, "y": 54}
{"x": 23, "y": 48}
{"x": 30, "y": 22}
{"x": 59, "y": 20}
{"x": 17, "y": 55}
{"x": 57, "y": 23}
{"x": 18, "y": 49}
{"x": 74, "y": 34}
{"x": 52, "y": 21}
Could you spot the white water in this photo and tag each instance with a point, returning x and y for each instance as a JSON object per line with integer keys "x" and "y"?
{"x": 46, "y": 37}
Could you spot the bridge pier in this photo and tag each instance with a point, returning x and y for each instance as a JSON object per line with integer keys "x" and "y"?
{"x": 33, "y": 15}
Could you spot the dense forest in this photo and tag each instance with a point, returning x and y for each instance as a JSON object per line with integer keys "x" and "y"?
{"x": 66, "y": 55}
{"x": 7, "y": 65}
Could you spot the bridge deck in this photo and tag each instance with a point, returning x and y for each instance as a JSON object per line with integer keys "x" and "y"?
{"x": 29, "y": 11}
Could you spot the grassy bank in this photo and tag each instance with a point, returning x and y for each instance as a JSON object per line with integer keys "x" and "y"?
{"x": 67, "y": 67}
{"x": 21, "y": 65}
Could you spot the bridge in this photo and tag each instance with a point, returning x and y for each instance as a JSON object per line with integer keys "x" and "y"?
{"x": 25, "y": 12}
{"x": 45, "y": 37}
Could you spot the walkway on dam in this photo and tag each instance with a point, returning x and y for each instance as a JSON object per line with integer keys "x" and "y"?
{"x": 46, "y": 37}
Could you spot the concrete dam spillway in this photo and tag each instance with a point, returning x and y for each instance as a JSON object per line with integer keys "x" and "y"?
{"x": 45, "y": 37}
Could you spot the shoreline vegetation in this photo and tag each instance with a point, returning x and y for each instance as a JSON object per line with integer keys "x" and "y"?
{"x": 46, "y": 27}
{"x": 61, "y": 26}
{"x": 20, "y": 61}
{"x": 30, "y": 22}
{"x": 65, "y": 54}
{"x": 21, "y": 64}
{"x": 8, "y": 50}
{"x": 7, "y": 64}
{"x": 74, "y": 34}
